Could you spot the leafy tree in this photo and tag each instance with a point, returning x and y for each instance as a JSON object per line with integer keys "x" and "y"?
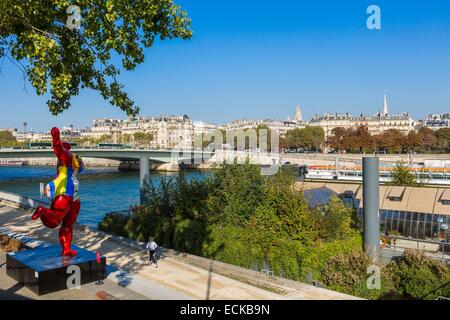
{"x": 295, "y": 138}
{"x": 7, "y": 139}
{"x": 317, "y": 137}
{"x": 336, "y": 140}
{"x": 217, "y": 138}
{"x": 428, "y": 139}
{"x": 62, "y": 60}
{"x": 104, "y": 138}
{"x": 142, "y": 138}
{"x": 283, "y": 143}
{"x": 443, "y": 139}
{"x": 412, "y": 141}
{"x": 262, "y": 132}
{"x": 126, "y": 138}
{"x": 334, "y": 220}
{"x": 391, "y": 141}
{"x": 174, "y": 212}
{"x": 347, "y": 273}
{"x": 307, "y": 138}
{"x": 401, "y": 176}
{"x": 270, "y": 134}
{"x": 236, "y": 192}
{"x": 362, "y": 139}
{"x": 417, "y": 276}
{"x": 289, "y": 207}
{"x": 114, "y": 223}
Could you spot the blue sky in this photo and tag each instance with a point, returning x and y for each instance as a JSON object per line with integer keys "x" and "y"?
{"x": 260, "y": 59}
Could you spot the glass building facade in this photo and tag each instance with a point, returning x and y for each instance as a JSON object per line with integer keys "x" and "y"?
{"x": 421, "y": 213}
{"x": 416, "y": 225}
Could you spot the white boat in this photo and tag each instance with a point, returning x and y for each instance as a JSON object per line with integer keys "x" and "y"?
{"x": 12, "y": 163}
{"x": 356, "y": 175}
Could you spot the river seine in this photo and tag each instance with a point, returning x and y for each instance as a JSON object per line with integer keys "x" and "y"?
{"x": 102, "y": 190}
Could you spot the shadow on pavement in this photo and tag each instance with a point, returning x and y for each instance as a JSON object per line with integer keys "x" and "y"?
{"x": 10, "y": 294}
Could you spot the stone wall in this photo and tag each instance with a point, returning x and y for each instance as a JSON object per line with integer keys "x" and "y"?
{"x": 89, "y": 162}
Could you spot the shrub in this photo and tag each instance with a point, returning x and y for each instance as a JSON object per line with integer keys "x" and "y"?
{"x": 230, "y": 244}
{"x": 188, "y": 236}
{"x": 401, "y": 176}
{"x": 415, "y": 275}
{"x": 348, "y": 273}
{"x": 334, "y": 220}
{"x": 315, "y": 258}
{"x": 114, "y": 223}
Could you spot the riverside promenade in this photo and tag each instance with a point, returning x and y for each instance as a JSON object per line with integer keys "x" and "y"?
{"x": 179, "y": 276}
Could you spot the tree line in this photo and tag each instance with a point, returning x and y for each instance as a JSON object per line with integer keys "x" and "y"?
{"x": 341, "y": 140}
{"x": 7, "y": 140}
{"x": 360, "y": 140}
{"x": 138, "y": 139}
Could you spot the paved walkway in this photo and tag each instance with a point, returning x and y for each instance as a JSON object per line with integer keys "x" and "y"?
{"x": 389, "y": 253}
{"x": 11, "y": 290}
{"x": 172, "y": 280}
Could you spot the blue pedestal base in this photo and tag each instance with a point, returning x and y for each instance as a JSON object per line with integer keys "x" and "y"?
{"x": 43, "y": 270}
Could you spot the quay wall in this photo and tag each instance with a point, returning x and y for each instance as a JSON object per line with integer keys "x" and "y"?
{"x": 90, "y": 162}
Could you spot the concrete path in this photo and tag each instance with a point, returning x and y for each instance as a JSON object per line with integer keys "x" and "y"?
{"x": 11, "y": 290}
{"x": 172, "y": 280}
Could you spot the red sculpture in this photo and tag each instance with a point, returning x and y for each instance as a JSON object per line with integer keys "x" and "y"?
{"x": 64, "y": 194}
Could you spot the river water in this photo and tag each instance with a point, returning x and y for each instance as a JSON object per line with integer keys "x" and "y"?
{"x": 102, "y": 190}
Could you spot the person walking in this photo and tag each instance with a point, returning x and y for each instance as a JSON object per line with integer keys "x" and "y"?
{"x": 151, "y": 247}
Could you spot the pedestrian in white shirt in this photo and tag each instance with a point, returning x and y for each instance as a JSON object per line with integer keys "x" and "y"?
{"x": 151, "y": 247}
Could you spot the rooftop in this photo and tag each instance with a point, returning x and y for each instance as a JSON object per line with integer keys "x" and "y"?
{"x": 435, "y": 200}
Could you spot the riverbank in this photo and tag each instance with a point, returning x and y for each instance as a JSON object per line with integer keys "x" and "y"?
{"x": 51, "y": 162}
{"x": 102, "y": 189}
{"x": 434, "y": 160}
{"x": 113, "y": 164}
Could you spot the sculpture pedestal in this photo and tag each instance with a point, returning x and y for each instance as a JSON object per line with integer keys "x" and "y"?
{"x": 43, "y": 270}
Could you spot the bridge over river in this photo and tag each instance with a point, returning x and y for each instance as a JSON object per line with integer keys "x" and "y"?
{"x": 144, "y": 156}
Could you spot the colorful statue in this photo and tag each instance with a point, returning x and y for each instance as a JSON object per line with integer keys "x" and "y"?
{"x": 64, "y": 194}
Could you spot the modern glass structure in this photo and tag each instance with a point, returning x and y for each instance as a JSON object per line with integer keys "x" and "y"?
{"x": 412, "y": 212}
{"x": 415, "y": 225}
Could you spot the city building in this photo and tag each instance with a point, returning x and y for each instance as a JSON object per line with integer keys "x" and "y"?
{"x": 276, "y": 125}
{"x": 378, "y": 123}
{"x": 179, "y": 131}
{"x": 167, "y": 132}
{"x": 435, "y": 121}
{"x": 172, "y": 132}
{"x": 104, "y": 126}
{"x": 201, "y": 127}
{"x": 298, "y": 115}
{"x": 31, "y": 136}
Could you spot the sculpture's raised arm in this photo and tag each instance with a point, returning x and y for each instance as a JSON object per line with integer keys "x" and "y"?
{"x": 63, "y": 155}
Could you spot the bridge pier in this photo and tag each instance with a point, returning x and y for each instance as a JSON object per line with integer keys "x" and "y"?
{"x": 144, "y": 171}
